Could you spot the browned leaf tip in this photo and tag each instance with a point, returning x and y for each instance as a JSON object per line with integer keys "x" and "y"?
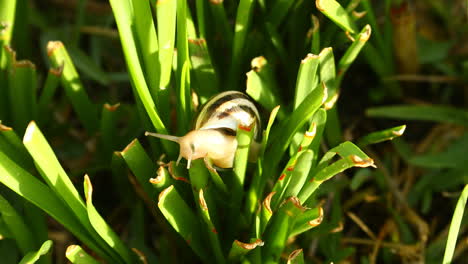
{"x": 315, "y": 23}
{"x": 112, "y": 108}
{"x": 249, "y": 246}
{"x": 141, "y": 256}
{"x": 362, "y": 163}
{"x": 216, "y": 2}
{"x": 337, "y": 229}
{"x": 358, "y": 14}
{"x": 257, "y": 63}
{"x": 311, "y": 134}
{"x": 317, "y": 221}
{"x": 330, "y": 103}
{"x": 129, "y": 146}
{"x": 24, "y": 64}
{"x": 52, "y": 46}
{"x": 349, "y": 36}
{"x": 309, "y": 57}
{"x": 399, "y": 132}
{"x": 173, "y": 174}
{"x": 89, "y": 193}
{"x": 160, "y": 176}
{"x": 71, "y": 249}
{"x": 366, "y": 34}
{"x": 294, "y": 254}
{"x": 295, "y": 201}
{"x": 319, "y": 6}
{"x": 202, "y": 201}
{"x": 267, "y": 201}
{"x": 57, "y": 71}
{"x": 10, "y": 50}
{"x": 198, "y": 42}
{"x": 5, "y": 128}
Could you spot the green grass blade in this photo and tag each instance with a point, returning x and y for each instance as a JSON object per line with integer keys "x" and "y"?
{"x": 108, "y": 128}
{"x": 278, "y": 12}
{"x": 182, "y": 219}
{"x": 242, "y": 24}
{"x": 299, "y": 174}
{"x": 7, "y": 19}
{"x": 372, "y": 55}
{"x": 12, "y": 146}
{"x": 455, "y": 226}
{"x": 244, "y": 140}
{"x": 140, "y": 164}
{"x": 55, "y": 176}
{"x": 454, "y": 156}
{"x": 52, "y": 172}
{"x": 285, "y": 177}
{"x": 80, "y": 17}
{"x": 383, "y": 40}
{"x": 200, "y": 7}
{"x": 277, "y": 42}
{"x": 184, "y": 98}
{"x": 352, "y": 52}
{"x": 287, "y": 130}
{"x": 206, "y": 81}
{"x": 147, "y": 40}
{"x": 309, "y": 219}
{"x": 77, "y": 255}
{"x": 380, "y": 136}
{"x": 320, "y": 120}
{"x": 50, "y": 86}
{"x": 36, "y": 219}
{"x": 222, "y": 24}
{"x": 7, "y": 59}
{"x": 121, "y": 11}
{"x": 87, "y": 66}
{"x": 184, "y": 101}
{"x": 85, "y": 109}
{"x": 17, "y": 227}
{"x": 22, "y": 94}
{"x": 288, "y": 127}
{"x": 254, "y": 194}
{"x": 166, "y": 15}
{"x": 265, "y": 214}
{"x": 33, "y": 257}
{"x": 278, "y": 229}
{"x": 199, "y": 176}
{"x": 435, "y": 113}
{"x": 328, "y": 75}
{"x": 261, "y": 84}
{"x": 315, "y": 35}
{"x": 334, "y": 11}
{"x": 102, "y": 228}
{"x": 240, "y": 249}
{"x": 211, "y": 229}
{"x": 307, "y": 78}
{"x": 29, "y": 187}
{"x": 351, "y": 156}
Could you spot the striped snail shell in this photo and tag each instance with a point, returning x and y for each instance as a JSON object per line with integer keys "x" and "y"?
{"x": 214, "y": 136}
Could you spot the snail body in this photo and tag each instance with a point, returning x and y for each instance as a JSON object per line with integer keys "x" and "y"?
{"x": 214, "y": 136}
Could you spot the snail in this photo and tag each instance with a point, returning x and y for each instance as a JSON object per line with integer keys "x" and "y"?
{"x": 214, "y": 135}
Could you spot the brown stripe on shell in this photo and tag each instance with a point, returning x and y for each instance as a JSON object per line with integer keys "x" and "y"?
{"x": 226, "y": 131}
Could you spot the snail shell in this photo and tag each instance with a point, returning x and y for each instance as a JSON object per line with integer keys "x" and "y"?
{"x": 214, "y": 136}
